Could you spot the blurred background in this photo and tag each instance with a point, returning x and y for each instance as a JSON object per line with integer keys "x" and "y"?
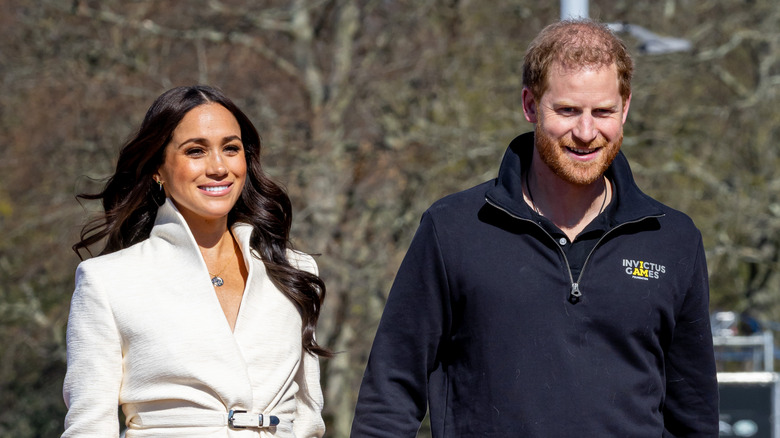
{"x": 370, "y": 110}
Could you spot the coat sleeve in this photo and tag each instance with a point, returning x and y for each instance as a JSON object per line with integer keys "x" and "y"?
{"x": 309, "y": 399}
{"x": 394, "y": 393}
{"x": 691, "y": 405}
{"x": 94, "y": 372}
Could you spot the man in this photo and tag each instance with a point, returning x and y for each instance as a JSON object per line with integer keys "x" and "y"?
{"x": 557, "y": 300}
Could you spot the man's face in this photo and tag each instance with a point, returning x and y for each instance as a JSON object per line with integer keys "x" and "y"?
{"x": 579, "y": 122}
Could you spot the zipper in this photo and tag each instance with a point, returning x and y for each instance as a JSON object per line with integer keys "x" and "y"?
{"x": 575, "y": 294}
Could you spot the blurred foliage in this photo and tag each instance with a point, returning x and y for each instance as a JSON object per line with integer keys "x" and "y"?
{"x": 370, "y": 110}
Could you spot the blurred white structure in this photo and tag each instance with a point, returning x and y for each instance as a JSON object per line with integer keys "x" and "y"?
{"x": 574, "y": 9}
{"x": 726, "y": 337}
{"x": 649, "y": 42}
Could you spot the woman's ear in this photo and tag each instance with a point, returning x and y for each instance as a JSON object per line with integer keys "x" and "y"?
{"x": 158, "y": 180}
{"x": 529, "y": 106}
{"x": 159, "y": 193}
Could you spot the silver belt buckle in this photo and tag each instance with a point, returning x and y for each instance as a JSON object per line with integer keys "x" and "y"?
{"x": 238, "y": 419}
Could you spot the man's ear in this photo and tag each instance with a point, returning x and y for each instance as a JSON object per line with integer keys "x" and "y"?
{"x": 529, "y": 105}
{"x": 625, "y": 108}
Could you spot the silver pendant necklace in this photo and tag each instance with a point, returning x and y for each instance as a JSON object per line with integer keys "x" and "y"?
{"x": 216, "y": 280}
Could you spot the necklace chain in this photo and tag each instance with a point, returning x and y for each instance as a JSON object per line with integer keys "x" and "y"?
{"x": 216, "y": 280}
{"x": 536, "y": 209}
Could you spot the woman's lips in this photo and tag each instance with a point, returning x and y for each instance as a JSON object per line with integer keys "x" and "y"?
{"x": 216, "y": 190}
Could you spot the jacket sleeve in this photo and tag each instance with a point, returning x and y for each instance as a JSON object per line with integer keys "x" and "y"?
{"x": 94, "y": 373}
{"x": 309, "y": 399}
{"x": 691, "y": 405}
{"x": 394, "y": 393}
{"x": 308, "y": 413}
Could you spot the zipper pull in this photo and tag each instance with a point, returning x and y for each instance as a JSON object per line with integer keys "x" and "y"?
{"x": 574, "y": 296}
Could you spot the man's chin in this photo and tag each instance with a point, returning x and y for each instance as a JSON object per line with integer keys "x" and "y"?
{"x": 582, "y": 174}
{"x": 578, "y": 178}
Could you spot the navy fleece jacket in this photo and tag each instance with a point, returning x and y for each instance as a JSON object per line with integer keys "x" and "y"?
{"x": 479, "y": 328}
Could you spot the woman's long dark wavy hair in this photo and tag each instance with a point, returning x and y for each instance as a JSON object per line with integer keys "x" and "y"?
{"x": 131, "y": 198}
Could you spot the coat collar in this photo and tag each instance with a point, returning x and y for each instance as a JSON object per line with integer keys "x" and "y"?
{"x": 507, "y": 194}
{"x": 170, "y": 227}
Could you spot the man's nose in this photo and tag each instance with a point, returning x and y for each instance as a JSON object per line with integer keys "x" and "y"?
{"x": 585, "y": 129}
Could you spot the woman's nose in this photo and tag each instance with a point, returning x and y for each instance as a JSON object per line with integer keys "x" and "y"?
{"x": 216, "y": 165}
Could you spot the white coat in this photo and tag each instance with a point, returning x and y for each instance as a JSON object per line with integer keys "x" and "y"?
{"x": 147, "y": 332}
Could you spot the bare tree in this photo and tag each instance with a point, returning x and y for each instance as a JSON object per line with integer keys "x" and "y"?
{"x": 369, "y": 110}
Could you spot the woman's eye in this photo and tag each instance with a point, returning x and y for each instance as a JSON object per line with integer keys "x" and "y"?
{"x": 194, "y": 152}
{"x": 233, "y": 148}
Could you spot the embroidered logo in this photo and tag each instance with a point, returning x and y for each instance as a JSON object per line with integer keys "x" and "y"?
{"x": 642, "y": 270}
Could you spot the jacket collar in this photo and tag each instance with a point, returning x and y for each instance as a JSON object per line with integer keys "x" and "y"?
{"x": 507, "y": 194}
{"x": 170, "y": 226}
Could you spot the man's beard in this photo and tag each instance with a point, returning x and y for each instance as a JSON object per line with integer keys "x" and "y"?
{"x": 553, "y": 155}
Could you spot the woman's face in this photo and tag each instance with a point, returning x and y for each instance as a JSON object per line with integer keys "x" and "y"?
{"x": 204, "y": 167}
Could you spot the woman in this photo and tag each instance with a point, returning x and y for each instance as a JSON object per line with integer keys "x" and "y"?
{"x": 197, "y": 318}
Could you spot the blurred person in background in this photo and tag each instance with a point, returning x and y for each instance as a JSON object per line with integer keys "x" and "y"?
{"x": 197, "y": 317}
{"x": 556, "y": 300}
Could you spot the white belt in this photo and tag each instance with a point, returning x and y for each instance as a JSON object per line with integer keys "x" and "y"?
{"x": 241, "y": 420}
